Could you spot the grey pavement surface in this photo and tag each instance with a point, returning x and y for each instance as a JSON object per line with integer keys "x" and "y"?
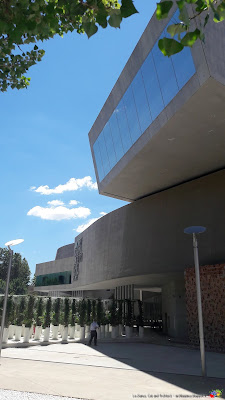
{"x": 12, "y": 394}
{"x": 111, "y": 371}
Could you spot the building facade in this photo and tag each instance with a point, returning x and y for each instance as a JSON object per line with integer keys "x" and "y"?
{"x": 158, "y": 143}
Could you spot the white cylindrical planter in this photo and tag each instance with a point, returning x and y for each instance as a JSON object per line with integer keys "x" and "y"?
{"x": 120, "y": 329}
{"x": 141, "y": 331}
{"x": 31, "y": 331}
{"x": 69, "y": 327}
{"x": 128, "y": 331}
{"x": 114, "y": 331}
{"x": 18, "y": 331}
{"x": 26, "y": 336}
{"x": 87, "y": 331}
{"x": 37, "y": 334}
{"x": 55, "y": 331}
{"x": 11, "y": 331}
{"x": 107, "y": 328}
{"x": 110, "y": 328}
{"x": 102, "y": 330}
{"x": 78, "y": 327}
{"x": 72, "y": 332}
{"x": 23, "y": 327}
{"x": 46, "y": 334}
{"x": 82, "y": 333}
{"x": 65, "y": 334}
{"x": 5, "y": 335}
{"x": 117, "y": 330}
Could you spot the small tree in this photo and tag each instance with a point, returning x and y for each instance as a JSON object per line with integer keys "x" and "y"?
{"x": 29, "y": 312}
{"x": 88, "y": 314}
{"x": 56, "y": 312}
{"x": 47, "y": 316}
{"x": 140, "y": 319}
{"x": 113, "y": 313}
{"x": 39, "y": 312}
{"x": 8, "y": 316}
{"x": 93, "y": 310}
{"x": 120, "y": 311}
{"x": 129, "y": 313}
{"x": 21, "y": 311}
{"x": 66, "y": 311}
{"x": 82, "y": 312}
{"x": 99, "y": 312}
{"x": 73, "y": 313}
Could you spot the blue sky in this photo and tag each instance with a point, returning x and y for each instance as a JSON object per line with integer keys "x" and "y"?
{"x": 44, "y": 138}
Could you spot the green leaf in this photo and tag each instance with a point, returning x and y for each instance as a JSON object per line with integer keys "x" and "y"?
{"x": 201, "y": 5}
{"x": 115, "y": 20}
{"x": 219, "y": 14}
{"x": 184, "y": 17}
{"x": 176, "y": 29}
{"x": 181, "y": 4}
{"x": 163, "y": 9}
{"x": 127, "y": 8}
{"x": 190, "y": 38}
{"x": 169, "y": 46}
{"x": 90, "y": 28}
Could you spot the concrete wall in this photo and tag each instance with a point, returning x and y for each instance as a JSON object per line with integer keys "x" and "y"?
{"x": 174, "y": 309}
{"x": 146, "y": 237}
{"x": 65, "y": 251}
{"x": 64, "y": 264}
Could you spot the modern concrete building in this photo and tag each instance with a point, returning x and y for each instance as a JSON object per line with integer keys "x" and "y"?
{"x": 158, "y": 143}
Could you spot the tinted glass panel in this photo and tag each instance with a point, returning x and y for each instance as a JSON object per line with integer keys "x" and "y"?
{"x": 104, "y": 155}
{"x": 116, "y": 136}
{"x": 152, "y": 87}
{"x": 141, "y": 102}
{"x": 109, "y": 145}
{"x": 166, "y": 75}
{"x": 131, "y": 111}
{"x": 183, "y": 70}
{"x": 155, "y": 85}
{"x": 98, "y": 160}
{"x": 123, "y": 125}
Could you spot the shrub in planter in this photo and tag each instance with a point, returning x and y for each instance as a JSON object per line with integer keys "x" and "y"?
{"x": 66, "y": 315}
{"x": 47, "y": 319}
{"x": 129, "y": 318}
{"x": 73, "y": 319}
{"x": 56, "y": 318}
{"x": 88, "y": 313}
{"x": 20, "y": 315}
{"x": 140, "y": 320}
{"x": 39, "y": 318}
{"x": 82, "y": 315}
{"x": 93, "y": 310}
{"x": 28, "y": 320}
{"x": 7, "y": 319}
{"x": 113, "y": 318}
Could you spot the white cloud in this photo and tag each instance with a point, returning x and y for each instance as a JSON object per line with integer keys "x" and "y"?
{"x": 59, "y": 213}
{"x": 72, "y": 185}
{"x": 55, "y": 203}
{"x": 82, "y": 228}
{"x": 73, "y": 202}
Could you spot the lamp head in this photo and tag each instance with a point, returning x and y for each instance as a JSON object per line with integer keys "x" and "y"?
{"x": 14, "y": 242}
{"x": 194, "y": 229}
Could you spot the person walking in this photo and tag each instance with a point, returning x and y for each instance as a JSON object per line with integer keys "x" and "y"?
{"x": 93, "y": 328}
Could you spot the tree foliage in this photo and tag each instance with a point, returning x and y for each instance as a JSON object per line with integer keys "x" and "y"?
{"x": 26, "y": 23}
{"x": 20, "y": 273}
{"x": 183, "y": 33}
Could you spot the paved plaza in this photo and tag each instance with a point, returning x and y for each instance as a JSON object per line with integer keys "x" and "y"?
{"x": 109, "y": 371}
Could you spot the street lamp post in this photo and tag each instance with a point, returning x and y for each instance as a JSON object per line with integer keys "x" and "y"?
{"x": 8, "y": 244}
{"x": 194, "y": 230}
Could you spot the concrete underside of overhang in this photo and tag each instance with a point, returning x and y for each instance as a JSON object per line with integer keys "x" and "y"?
{"x": 140, "y": 281}
{"x": 191, "y": 144}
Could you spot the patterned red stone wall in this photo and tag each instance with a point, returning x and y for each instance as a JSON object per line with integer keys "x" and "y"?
{"x": 213, "y": 305}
